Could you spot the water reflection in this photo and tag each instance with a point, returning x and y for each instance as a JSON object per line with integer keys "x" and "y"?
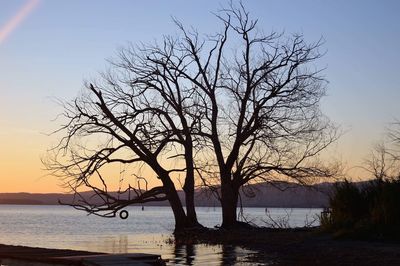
{"x": 208, "y": 255}
{"x": 174, "y": 253}
{"x": 107, "y": 244}
{"x": 229, "y": 256}
{"x": 184, "y": 254}
{"x": 117, "y": 244}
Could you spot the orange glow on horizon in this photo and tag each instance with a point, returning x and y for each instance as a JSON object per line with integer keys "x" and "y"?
{"x": 16, "y": 20}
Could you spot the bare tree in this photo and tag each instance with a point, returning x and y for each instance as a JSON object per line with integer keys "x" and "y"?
{"x": 260, "y": 95}
{"x": 384, "y": 161}
{"x": 237, "y": 107}
{"x": 140, "y": 113}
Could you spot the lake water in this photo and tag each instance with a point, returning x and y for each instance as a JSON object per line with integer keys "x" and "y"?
{"x": 144, "y": 231}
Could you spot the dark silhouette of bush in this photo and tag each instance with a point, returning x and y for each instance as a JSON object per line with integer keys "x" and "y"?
{"x": 385, "y": 209}
{"x": 370, "y": 210}
{"x": 347, "y": 205}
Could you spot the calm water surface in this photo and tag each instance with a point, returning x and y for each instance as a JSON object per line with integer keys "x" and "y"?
{"x": 145, "y": 231}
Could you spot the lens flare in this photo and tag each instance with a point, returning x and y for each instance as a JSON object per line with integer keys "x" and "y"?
{"x": 13, "y": 23}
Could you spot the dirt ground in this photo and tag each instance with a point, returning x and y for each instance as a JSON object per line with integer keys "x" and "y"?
{"x": 323, "y": 250}
{"x": 302, "y": 247}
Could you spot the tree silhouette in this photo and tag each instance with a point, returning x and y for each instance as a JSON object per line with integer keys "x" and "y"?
{"x": 384, "y": 160}
{"x": 140, "y": 114}
{"x": 261, "y": 106}
{"x": 232, "y": 108}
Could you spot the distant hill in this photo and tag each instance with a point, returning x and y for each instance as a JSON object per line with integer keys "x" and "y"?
{"x": 18, "y": 201}
{"x": 34, "y": 198}
{"x": 266, "y": 195}
{"x": 278, "y": 195}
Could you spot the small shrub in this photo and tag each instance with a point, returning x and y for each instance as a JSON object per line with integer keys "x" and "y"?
{"x": 347, "y": 205}
{"x": 372, "y": 210}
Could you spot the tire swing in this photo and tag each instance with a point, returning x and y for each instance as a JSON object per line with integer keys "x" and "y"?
{"x": 123, "y": 214}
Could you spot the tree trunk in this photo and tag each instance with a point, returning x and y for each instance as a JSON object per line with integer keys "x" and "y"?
{"x": 176, "y": 205}
{"x": 229, "y": 200}
{"x": 190, "y": 209}
{"x": 188, "y": 188}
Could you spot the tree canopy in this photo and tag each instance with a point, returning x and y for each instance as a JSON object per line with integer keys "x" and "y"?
{"x": 231, "y": 108}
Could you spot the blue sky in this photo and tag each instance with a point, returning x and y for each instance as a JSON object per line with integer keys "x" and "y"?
{"x": 61, "y": 43}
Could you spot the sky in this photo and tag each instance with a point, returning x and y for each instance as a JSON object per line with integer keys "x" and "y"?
{"x": 49, "y": 47}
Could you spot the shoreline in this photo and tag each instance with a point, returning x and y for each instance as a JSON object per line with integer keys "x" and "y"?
{"x": 34, "y": 256}
{"x": 301, "y": 246}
